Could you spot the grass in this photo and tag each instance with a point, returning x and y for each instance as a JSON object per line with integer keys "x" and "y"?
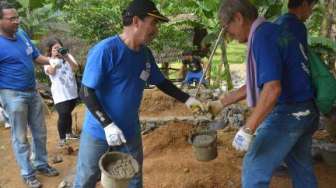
{"x": 235, "y": 54}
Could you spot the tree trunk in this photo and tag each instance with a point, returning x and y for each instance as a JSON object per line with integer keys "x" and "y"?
{"x": 227, "y": 73}
{"x": 330, "y": 29}
{"x": 218, "y": 81}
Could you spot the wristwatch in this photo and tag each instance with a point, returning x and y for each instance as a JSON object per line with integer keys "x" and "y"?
{"x": 247, "y": 130}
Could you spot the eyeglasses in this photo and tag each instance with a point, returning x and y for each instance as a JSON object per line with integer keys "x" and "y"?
{"x": 225, "y": 28}
{"x": 226, "y": 23}
{"x": 12, "y": 19}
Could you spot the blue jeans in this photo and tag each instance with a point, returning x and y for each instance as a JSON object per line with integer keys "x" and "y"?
{"x": 283, "y": 136}
{"x": 90, "y": 151}
{"x": 25, "y": 109}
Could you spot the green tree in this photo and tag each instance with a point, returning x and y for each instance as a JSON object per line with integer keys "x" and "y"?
{"x": 96, "y": 19}
{"x": 36, "y": 18}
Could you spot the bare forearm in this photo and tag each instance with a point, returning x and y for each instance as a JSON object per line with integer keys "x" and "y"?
{"x": 268, "y": 98}
{"x": 234, "y": 96}
{"x": 42, "y": 60}
{"x": 71, "y": 60}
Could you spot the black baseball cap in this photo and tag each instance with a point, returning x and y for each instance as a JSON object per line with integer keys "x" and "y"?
{"x": 144, "y": 7}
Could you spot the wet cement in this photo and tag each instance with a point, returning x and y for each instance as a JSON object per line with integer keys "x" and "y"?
{"x": 203, "y": 140}
{"x": 121, "y": 169}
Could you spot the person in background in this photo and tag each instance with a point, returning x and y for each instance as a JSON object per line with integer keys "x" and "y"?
{"x": 116, "y": 72}
{"x": 193, "y": 67}
{"x": 63, "y": 87}
{"x": 279, "y": 90}
{"x": 19, "y": 96}
{"x": 293, "y": 21}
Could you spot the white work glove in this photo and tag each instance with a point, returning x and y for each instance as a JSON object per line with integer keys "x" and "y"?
{"x": 214, "y": 107}
{"x": 195, "y": 105}
{"x": 242, "y": 140}
{"x": 114, "y": 136}
{"x": 55, "y": 63}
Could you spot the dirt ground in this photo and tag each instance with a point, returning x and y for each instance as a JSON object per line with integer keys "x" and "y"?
{"x": 168, "y": 158}
{"x": 157, "y": 104}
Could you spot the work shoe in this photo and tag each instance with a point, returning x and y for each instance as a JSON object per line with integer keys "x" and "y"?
{"x": 32, "y": 182}
{"x": 7, "y": 125}
{"x": 47, "y": 171}
{"x": 62, "y": 143}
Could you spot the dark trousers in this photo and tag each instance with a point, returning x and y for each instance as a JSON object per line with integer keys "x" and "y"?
{"x": 64, "y": 123}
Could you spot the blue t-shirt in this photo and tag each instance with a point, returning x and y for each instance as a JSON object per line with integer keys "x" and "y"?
{"x": 119, "y": 75}
{"x": 278, "y": 57}
{"x": 292, "y": 24}
{"x": 16, "y": 62}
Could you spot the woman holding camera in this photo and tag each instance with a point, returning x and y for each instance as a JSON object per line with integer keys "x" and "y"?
{"x": 63, "y": 86}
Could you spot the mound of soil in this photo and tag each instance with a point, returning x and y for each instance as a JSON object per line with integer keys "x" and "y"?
{"x": 156, "y": 103}
{"x": 169, "y": 162}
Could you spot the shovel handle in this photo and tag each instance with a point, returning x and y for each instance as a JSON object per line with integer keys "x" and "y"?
{"x": 210, "y": 61}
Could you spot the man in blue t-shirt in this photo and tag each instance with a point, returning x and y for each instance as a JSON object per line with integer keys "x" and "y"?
{"x": 114, "y": 78}
{"x": 293, "y": 22}
{"x": 279, "y": 91}
{"x": 19, "y": 97}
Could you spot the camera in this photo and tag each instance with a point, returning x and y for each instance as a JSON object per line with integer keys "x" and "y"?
{"x": 63, "y": 51}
